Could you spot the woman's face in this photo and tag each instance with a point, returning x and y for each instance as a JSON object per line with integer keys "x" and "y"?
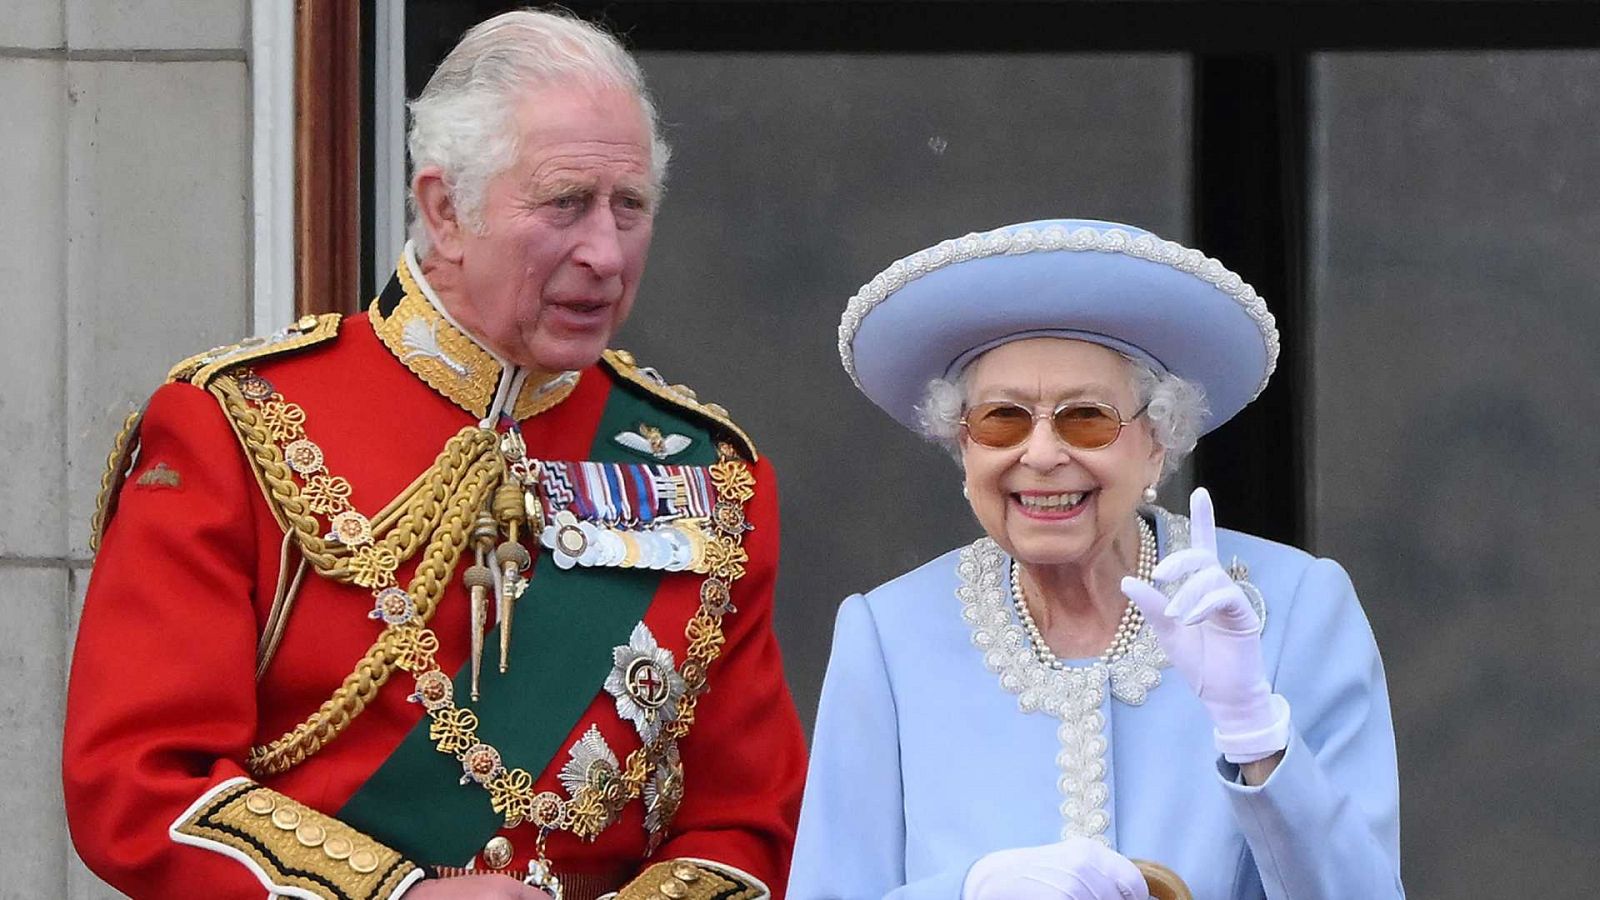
{"x": 1043, "y": 502}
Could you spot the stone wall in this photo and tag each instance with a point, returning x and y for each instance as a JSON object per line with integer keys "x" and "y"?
{"x": 124, "y": 245}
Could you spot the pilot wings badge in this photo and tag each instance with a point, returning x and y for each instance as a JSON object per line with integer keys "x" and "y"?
{"x": 652, "y": 441}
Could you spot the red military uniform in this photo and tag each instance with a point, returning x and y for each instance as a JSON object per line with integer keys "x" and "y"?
{"x": 251, "y": 711}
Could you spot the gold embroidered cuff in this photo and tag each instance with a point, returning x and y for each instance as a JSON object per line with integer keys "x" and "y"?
{"x": 293, "y": 849}
{"x": 692, "y": 879}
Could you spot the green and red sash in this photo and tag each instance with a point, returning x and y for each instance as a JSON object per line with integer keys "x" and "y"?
{"x": 566, "y": 624}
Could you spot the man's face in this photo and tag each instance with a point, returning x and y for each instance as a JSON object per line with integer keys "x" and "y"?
{"x": 551, "y": 273}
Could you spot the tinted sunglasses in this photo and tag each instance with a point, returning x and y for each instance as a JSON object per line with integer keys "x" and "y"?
{"x": 1080, "y": 424}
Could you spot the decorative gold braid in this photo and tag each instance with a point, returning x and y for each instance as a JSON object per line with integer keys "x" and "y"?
{"x": 283, "y": 495}
{"x": 413, "y": 513}
{"x": 111, "y": 482}
{"x": 396, "y": 645}
{"x": 441, "y": 503}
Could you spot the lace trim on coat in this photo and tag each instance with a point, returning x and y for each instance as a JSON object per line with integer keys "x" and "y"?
{"x": 1073, "y": 694}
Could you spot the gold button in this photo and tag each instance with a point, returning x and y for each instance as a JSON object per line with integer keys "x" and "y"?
{"x": 685, "y": 872}
{"x": 364, "y": 861}
{"x": 498, "y": 852}
{"x": 260, "y": 803}
{"x": 286, "y": 818}
{"x": 673, "y": 889}
{"x": 310, "y": 834}
{"x": 337, "y": 847}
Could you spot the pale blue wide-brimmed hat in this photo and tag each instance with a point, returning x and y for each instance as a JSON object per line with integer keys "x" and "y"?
{"x": 930, "y": 314}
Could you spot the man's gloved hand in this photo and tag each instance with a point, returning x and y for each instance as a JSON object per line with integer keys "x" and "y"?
{"x": 1074, "y": 869}
{"x": 1212, "y": 635}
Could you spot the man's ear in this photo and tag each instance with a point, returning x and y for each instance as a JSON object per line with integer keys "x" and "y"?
{"x": 438, "y": 212}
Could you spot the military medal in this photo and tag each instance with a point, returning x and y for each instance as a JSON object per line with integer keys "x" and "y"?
{"x": 645, "y": 683}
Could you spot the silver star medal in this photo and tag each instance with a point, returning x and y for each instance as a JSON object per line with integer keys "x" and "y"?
{"x": 645, "y": 683}
{"x": 592, "y": 765}
{"x": 663, "y": 793}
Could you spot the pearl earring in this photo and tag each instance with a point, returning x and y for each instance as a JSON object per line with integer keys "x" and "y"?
{"x": 1150, "y": 494}
{"x": 964, "y": 494}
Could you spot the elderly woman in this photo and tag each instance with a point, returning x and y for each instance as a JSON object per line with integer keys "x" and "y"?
{"x": 1097, "y": 680}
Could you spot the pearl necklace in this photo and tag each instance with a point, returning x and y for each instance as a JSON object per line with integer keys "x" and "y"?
{"x": 1127, "y": 628}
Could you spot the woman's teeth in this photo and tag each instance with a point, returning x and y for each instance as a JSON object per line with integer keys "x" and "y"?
{"x": 1052, "y": 501}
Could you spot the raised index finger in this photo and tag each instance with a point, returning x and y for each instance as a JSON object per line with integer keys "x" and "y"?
{"x": 1202, "y": 521}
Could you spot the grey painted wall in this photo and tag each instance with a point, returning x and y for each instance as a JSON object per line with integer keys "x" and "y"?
{"x": 124, "y": 246}
{"x": 1457, "y": 361}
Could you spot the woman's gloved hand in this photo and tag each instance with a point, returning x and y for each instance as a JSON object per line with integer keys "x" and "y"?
{"x": 1074, "y": 869}
{"x": 1212, "y": 635}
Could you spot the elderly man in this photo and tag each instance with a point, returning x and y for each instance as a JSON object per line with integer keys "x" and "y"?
{"x": 416, "y": 600}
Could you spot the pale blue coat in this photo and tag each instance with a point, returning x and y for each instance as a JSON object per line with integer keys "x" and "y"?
{"x": 921, "y": 762}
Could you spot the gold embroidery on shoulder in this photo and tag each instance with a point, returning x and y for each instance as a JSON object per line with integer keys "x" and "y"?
{"x": 309, "y": 331}
{"x": 682, "y": 396}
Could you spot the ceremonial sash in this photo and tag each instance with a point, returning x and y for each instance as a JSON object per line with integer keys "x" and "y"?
{"x": 566, "y": 624}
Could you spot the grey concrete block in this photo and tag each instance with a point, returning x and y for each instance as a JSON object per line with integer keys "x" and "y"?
{"x": 32, "y": 267}
{"x": 158, "y": 254}
{"x": 77, "y": 588}
{"x": 158, "y": 24}
{"x": 33, "y": 837}
{"x": 34, "y": 24}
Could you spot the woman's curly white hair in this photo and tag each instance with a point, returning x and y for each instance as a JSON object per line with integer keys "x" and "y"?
{"x": 1174, "y": 408}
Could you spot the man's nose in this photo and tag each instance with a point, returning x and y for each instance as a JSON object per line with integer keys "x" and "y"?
{"x": 600, "y": 246}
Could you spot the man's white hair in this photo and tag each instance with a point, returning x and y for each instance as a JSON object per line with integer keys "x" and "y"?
{"x": 462, "y": 122}
{"x": 1174, "y": 408}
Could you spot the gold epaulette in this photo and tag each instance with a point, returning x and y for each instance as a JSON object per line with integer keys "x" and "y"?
{"x": 292, "y": 847}
{"x": 199, "y": 370}
{"x": 679, "y": 395}
{"x": 307, "y": 332}
{"x": 692, "y": 879}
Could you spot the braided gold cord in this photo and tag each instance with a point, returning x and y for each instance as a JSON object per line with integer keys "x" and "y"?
{"x": 428, "y": 584}
{"x": 110, "y": 482}
{"x": 399, "y": 528}
{"x": 276, "y": 476}
{"x": 439, "y": 504}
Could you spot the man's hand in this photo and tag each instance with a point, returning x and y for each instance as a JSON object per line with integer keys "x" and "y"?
{"x": 474, "y": 887}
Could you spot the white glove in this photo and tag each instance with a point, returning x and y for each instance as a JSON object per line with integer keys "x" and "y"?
{"x": 1074, "y": 869}
{"x": 1212, "y": 635}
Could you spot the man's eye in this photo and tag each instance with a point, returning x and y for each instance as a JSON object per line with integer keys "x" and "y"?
{"x": 568, "y": 201}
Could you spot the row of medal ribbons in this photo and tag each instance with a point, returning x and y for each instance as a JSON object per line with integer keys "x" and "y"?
{"x": 631, "y": 515}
